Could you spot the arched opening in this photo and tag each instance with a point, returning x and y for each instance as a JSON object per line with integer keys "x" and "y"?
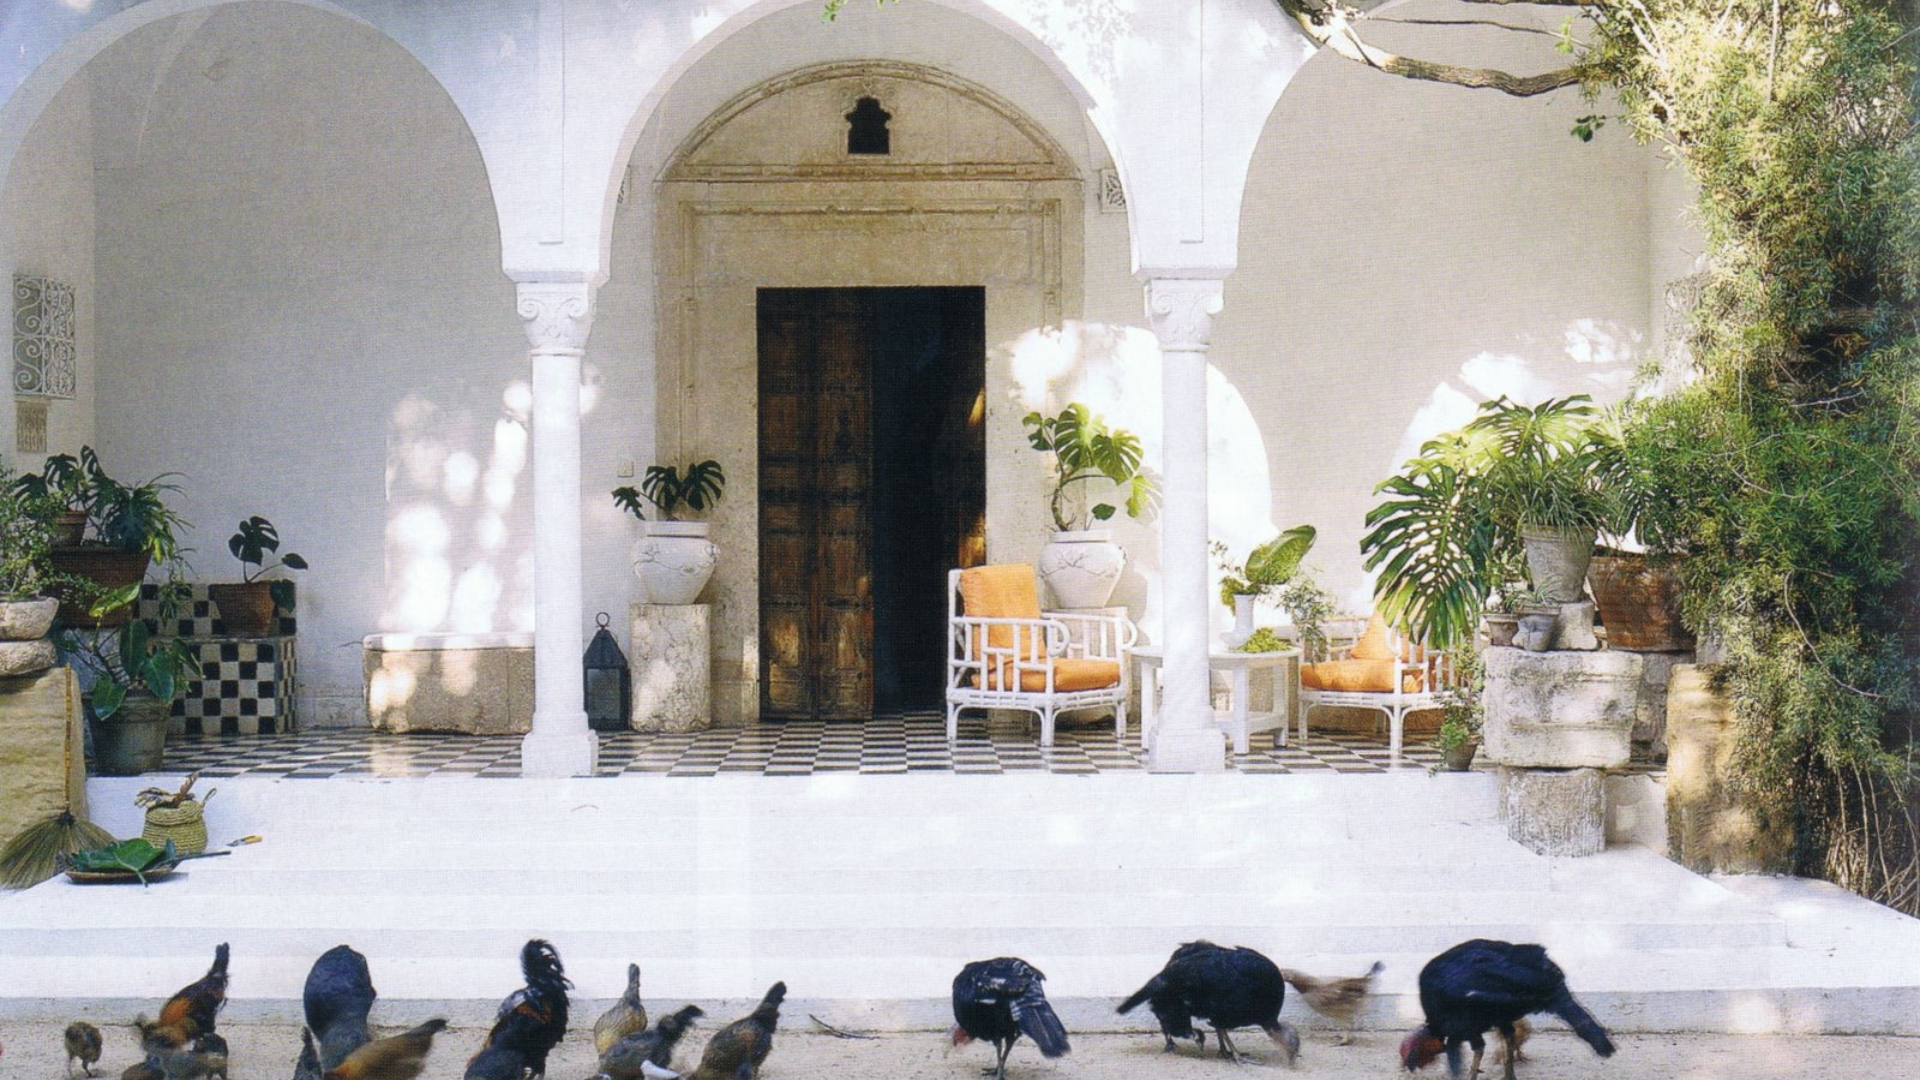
{"x": 763, "y": 201}
{"x": 292, "y": 298}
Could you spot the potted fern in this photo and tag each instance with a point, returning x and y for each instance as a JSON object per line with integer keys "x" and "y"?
{"x": 675, "y": 558}
{"x": 249, "y": 606}
{"x": 1082, "y": 564}
{"x": 1268, "y": 568}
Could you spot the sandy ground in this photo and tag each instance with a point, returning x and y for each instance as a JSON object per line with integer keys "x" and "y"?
{"x": 34, "y": 1052}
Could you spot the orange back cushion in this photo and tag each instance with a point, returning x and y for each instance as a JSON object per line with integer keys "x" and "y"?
{"x": 1375, "y": 645}
{"x": 1005, "y": 591}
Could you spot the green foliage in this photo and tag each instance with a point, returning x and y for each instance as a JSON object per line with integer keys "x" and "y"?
{"x": 1268, "y": 566}
{"x": 1085, "y": 449}
{"x": 1464, "y": 712}
{"x": 26, "y": 539}
{"x": 131, "y": 517}
{"x": 667, "y": 489}
{"x": 1263, "y": 640}
{"x": 1309, "y": 606}
{"x": 251, "y": 543}
{"x": 1786, "y": 472}
{"x": 133, "y": 658}
{"x": 137, "y": 856}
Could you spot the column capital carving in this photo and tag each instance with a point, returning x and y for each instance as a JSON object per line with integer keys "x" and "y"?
{"x": 1182, "y": 311}
{"x": 558, "y": 314}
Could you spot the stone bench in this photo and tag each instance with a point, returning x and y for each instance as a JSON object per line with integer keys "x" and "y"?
{"x": 478, "y": 684}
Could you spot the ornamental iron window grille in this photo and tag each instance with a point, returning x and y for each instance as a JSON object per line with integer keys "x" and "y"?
{"x": 43, "y": 337}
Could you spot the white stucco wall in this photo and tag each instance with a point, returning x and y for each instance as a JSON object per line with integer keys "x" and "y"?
{"x": 302, "y": 311}
{"x": 46, "y": 229}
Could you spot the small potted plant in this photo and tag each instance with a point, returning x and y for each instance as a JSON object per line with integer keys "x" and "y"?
{"x": 1268, "y": 567}
{"x": 26, "y": 612}
{"x": 1458, "y": 737}
{"x": 179, "y": 816}
{"x": 137, "y": 676}
{"x": 1309, "y": 606}
{"x": 63, "y": 483}
{"x": 128, "y": 528}
{"x": 248, "y": 607}
{"x": 1502, "y": 616}
{"x": 675, "y": 558}
{"x": 1083, "y": 565}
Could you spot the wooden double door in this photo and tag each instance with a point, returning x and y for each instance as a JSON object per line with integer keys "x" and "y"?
{"x": 872, "y": 485}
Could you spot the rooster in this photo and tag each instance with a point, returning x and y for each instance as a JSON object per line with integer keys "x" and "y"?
{"x": 188, "y": 1016}
{"x": 628, "y": 1058}
{"x": 83, "y": 1045}
{"x": 1228, "y": 988}
{"x": 531, "y": 1021}
{"x": 338, "y": 996}
{"x": 396, "y": 1057}
{"x": 1481, "y": 984}
{"x": 626, "y": 1017}
{"x": 1000, "y": 1000}
{"x": 1339, "y": 1000}
{"x": 738, "y": 1049}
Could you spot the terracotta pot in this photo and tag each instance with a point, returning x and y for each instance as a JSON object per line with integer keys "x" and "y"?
{"x": 111, "y": 568}
{"x": 246, "y": 608}
{"x": 1082, "y": 568}
{"x": 1639, "y": 602}
{"x": 69, "y": 528}
{"x": 673, "y": 561}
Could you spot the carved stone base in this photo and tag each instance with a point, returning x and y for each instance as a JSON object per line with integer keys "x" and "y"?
{"x": 1555, "y": 811}
{"x": 672, "y": 680}
{"x": 1574, "y": 629}
{"x": 40, "y": 750}
{"x": 1560, "y": 710}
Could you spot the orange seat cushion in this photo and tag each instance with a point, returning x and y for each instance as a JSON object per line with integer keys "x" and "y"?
{"x": 1069, "y": 673}
{"x": 1364, "y": 676}
{"x": 1003, "y": 591}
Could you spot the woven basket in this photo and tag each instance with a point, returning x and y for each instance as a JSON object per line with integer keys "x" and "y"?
{"x": 185, "y": 825}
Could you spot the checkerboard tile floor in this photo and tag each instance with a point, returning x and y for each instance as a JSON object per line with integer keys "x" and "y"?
{"x": 915, "y": 742}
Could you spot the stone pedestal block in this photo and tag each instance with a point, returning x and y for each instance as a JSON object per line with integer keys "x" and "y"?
{"x": 1574, "y": 628}
{"x": 42, "y": 759}
{"x": 1560, "y": 710}
{"x": 1555, "y": 811}
{"x": 1650, "y": 709}
{"x": 477, "y": 684}
{"x": 1708, "y": 831}
{"x": 672, "y": 683}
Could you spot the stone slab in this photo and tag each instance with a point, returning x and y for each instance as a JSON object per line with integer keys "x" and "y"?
{"x": 26, "y": 657}
{"x": 42, "y": 757}
{"x": 473, "y": 684}
{"x": 672, "y": 677}
{"x": 1560, "y": 710}
{"x": 1559, "y": 812}
{"x": 1708, "y": 830}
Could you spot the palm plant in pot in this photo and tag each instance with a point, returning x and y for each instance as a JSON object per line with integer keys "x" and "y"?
{"x": 249, "y": 607}
{"x": 1267, "y": 569}
{"x": 1082, "y": 564}
{"x": 675, "y": 558}
{"x": 1517, "y": 483}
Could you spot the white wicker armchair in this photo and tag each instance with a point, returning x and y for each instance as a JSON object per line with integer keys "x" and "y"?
{"x": 1003, "y": 652}
{"x": 1406, "y": 677}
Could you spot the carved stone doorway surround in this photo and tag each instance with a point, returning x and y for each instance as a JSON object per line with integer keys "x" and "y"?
{"x": 765, "y": 195}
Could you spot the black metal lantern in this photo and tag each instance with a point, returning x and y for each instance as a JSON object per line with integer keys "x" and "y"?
{"x": 609, "y": 682}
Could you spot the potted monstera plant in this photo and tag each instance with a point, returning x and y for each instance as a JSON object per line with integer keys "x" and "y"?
{"x": 1268, "y": 568}
{"x": 128, "y": 528}
{"x": 137, "y": 675}
{"x": 675, "y": 558}
{"x": 249, "y": 606}
{"x": 1082, "y": 564}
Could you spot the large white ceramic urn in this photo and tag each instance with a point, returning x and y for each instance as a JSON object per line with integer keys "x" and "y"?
{"x": 1082, "y": 567}
{"x": 673, "y": 561}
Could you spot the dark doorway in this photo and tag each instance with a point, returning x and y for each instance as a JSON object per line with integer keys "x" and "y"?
{"x": 872, "y": 486}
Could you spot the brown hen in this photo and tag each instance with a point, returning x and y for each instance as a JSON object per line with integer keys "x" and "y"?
{"x": 1340, "y": 1000}
{"x": 626, "y": 1017}
{"x": 396, "y": 1057}
{"x": 738, "y": 1049}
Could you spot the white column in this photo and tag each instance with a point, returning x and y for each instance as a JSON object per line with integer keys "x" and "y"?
{"x": 558, "y": 316}
{"x": 1182, "y": 311}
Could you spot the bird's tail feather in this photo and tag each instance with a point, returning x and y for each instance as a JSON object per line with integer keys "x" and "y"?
{"x": 768, "y": 1011}
{"x": 1138, "y": 996}
{"x": 1582, "y": 1023}
{"x": 1038, "y": 1022}
{"x": 219, "y": 968}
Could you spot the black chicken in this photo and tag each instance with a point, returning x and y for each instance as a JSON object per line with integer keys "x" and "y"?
{"x": 338, "y": 996}
{"x": 531, "y": 1022}
{"x": 1228, "y": 988}
{"x": 623, "y": 1060}
{"x": 1000, "y": 1000}
{"x": 1481, "y": 984}
{"x": 740, "y": 1047}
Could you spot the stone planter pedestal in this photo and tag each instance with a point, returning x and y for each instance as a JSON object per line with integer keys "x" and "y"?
{"x": 1554, "y": 720}
{"x": 672, "y": 667}
{"x": 41, "y": 756}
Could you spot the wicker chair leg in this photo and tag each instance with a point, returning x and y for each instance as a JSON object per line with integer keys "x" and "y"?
{"x": 1046, "y": 726}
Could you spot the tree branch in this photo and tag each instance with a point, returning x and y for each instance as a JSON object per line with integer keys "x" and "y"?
{"x": 1330, "y": 26}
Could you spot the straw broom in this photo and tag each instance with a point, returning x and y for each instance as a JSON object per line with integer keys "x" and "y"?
{"x": 34, "y": 855}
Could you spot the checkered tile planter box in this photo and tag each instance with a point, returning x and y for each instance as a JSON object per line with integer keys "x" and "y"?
{"x": 246, "y": 685}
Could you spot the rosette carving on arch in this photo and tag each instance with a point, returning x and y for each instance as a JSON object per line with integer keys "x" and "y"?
{"x": 1182, "y": 311}
{"x": 557, "y": 315}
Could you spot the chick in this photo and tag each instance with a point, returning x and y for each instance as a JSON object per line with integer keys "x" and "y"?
{"x": 1339, "y": 1000}
{"x": 626, "y": 1017}
{"x": 83, "y": 1045}
{"x": 1522, "y": 1028}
